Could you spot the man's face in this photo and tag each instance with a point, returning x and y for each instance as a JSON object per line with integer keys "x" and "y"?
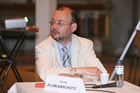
{"x": 61, "y": 26}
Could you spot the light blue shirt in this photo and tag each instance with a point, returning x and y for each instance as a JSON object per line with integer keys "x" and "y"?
{"x": 68, "y": 46}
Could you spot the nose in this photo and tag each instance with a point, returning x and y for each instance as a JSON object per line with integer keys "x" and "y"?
{"x": 54, "y": 26}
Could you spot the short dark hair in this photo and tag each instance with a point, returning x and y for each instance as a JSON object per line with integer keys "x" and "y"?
{"x": 73, "y": 14}
{"x": 74, "y": 17}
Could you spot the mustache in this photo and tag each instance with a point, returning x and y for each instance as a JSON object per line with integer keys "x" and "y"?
{"x": 54, "y": 30}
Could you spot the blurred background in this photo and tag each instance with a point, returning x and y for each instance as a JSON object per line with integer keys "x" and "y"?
{"x": 108, "y": 23}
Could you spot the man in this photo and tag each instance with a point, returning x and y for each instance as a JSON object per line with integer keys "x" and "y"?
{"x": 78, "y": 58}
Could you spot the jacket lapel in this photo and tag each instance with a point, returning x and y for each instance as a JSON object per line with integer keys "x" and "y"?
{"x": 75, "y": 50}
{"x": 56, "y": 55}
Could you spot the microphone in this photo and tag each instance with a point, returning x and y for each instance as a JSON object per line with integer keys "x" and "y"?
{"x": 103, "y": 85}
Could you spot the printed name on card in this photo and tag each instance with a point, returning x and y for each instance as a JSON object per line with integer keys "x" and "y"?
{"x": 64, "y": 84}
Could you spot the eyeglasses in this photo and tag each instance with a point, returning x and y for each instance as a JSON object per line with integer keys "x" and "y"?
{"x": 58, "y": 23}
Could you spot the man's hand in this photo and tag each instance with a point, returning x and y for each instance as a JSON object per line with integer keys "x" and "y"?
{"x": 69, "y": 75}
{"x": 89, "y": 71}
{"x": 83, "y": 72}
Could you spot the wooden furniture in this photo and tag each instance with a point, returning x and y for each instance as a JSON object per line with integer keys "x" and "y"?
{"x": 135, "y": 60}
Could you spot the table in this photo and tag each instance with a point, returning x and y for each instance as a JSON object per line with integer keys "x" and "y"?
{"x": 29, "y": 87}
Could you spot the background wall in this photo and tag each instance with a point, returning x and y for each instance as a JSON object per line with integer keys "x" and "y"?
{"x": 121, "y": 23}
{"x": 44, "y": 11}
{"x": 124, "y": 15}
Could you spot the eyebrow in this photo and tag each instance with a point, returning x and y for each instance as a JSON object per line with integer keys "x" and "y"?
{"x": 57, "y": 20}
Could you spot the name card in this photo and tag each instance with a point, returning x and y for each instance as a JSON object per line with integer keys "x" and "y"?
{"x": 61, "y": 84}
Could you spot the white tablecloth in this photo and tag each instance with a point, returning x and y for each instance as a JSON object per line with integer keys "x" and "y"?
{"x": 29, "y": 87}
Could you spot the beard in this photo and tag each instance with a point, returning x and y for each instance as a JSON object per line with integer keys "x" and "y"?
{"x": 59, "y": 38}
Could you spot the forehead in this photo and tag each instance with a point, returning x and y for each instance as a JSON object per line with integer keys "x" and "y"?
{"x": 62, "y": 15}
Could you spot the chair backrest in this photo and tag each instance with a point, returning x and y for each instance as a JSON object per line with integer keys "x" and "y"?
{"x": 137, "y": 40}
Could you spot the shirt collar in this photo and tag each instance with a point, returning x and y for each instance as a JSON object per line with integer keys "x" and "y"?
{"x": 67, "y": 46}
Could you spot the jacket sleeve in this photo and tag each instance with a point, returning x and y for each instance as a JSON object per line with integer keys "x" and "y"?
{"x": 91, "y": 58}
{"x": 45, "y": 65}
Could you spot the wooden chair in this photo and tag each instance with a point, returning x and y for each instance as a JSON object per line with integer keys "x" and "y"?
{"x": 137, "y": 58}
{"x": 135, "y": 62}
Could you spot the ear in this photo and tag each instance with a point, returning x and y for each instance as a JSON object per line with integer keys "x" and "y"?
{"x": 74, "y": 27}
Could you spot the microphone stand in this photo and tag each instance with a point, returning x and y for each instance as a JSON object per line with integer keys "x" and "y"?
{"x": 127, "y": 46}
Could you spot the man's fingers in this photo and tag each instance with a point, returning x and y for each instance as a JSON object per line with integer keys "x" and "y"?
{"x": 98, "y": 72}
